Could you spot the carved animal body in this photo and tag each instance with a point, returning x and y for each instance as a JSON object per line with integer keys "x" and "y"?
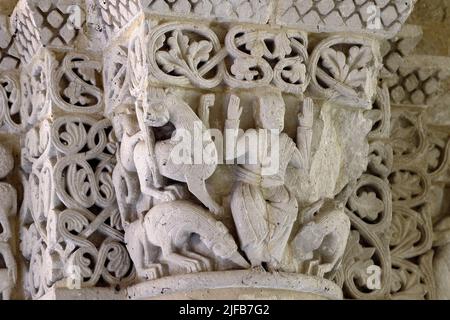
{"x": 184, "y": 120}
{"x": 8, "y": 207}
{"x": 170, "y": 226}
{"x": 327, "y": 234}
{"x": 195, "y": 171}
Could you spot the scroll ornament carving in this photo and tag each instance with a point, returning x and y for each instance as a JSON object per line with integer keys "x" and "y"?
{"x": 70, "y": 167}
{"x": 10, "y": 103}
{"x": 8, "y": 209}
{"x": 412, "y": 184}
{"x": 191, "y": 55}
{"x": 249, "y": 52}
{"x": 185, "y": 55}
{"x": 71, "y": 84}
{"x": 346, "y": 76}
{"x": 370, "y": 211}
{"x": 437, "y": 162}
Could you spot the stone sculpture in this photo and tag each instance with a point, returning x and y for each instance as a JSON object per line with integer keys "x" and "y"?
{"x": 264, "y": 209}
{"x": 169, "y": 227}
{"x": 8, "y": 209}
{"x": 222, "y": 148}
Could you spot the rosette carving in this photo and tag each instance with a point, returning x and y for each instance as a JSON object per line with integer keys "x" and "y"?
{"x": 345, "y": 69}
{"x": 185, "y": 54}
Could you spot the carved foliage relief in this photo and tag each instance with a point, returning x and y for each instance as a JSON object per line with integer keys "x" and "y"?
{"x": 70, "y": 221}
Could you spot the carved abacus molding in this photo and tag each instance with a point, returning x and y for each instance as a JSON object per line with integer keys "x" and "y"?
{"x": 39, "y": 24}
{"x": 381, "y": 18}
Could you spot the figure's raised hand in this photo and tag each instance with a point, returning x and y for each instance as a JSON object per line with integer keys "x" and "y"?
{"x": 306, "y": 117}
{"x": 207, "y": 102}
{"x": 234, "y": 111}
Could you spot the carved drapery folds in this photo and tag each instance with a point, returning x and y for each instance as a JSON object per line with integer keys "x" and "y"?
{"x": 128, "y": 109}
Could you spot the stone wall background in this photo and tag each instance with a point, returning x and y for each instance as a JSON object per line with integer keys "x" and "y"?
{"x": 434, "y": 17}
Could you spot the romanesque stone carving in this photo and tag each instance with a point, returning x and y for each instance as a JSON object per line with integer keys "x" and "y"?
{"x": 73, "y": 200}
{"x": 418, "y": 82}
{"x": 169, "y": 227}
{"x": 137, "y": 119}
{"x": 9, "y": 58}
{"x": 263, "y": 208}
{"x": 152, "y": 160}
{"x": 419, "y": 167}
{"x": 184, "y": 55}
{"x": 44, "y": 23}
{"x": 10, "y": 102}
{"x": 71, "y": 226}
{"x": 253, "y": 64}
{"x": 8, "y": 209}
{"x": 222, "y": 10}
{"x": 116, "y": 14}
{"x": 348, "y": 75}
